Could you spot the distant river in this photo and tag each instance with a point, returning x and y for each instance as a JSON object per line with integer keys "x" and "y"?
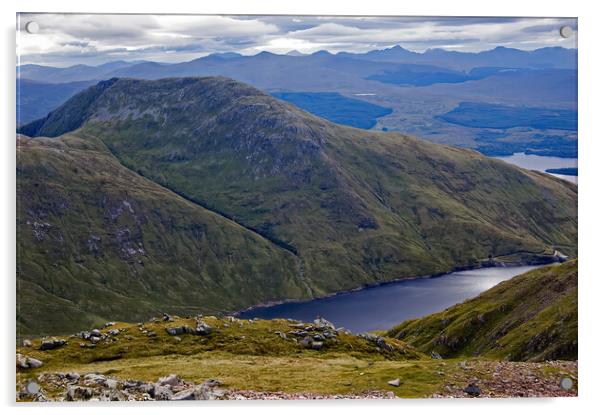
{"x": 384, "y": 306}
{"x": 542, "y": 163}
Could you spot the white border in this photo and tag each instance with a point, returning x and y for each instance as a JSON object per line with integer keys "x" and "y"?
{"x": 590, "y": 151}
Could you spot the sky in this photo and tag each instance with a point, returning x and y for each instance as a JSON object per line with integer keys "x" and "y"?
{"x": 71, "y": 39}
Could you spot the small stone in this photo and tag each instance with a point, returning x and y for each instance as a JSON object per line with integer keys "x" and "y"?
{"x": 114, "y": 332}
{"x": 472, "y": 390}
{"x": 94, "y": 339}
{"x": 394, "y": 382}
{"x": 96, "y": 333}
{"x": 435, "y": 355}
{"x": 26, "y": 343}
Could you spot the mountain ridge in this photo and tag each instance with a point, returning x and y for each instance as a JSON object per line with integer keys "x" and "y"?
{"x": 358, "y": 207}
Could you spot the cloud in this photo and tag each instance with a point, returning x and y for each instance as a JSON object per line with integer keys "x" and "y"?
{"x": 67, "y": 39}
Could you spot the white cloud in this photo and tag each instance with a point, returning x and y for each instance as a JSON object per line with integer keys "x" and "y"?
{"x": 66, "y": 39}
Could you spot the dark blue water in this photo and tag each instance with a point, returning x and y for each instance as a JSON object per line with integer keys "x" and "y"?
{"x": 384, "y": 306}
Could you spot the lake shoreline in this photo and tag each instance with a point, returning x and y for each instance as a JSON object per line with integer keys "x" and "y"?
{"x": 484, "y": 264}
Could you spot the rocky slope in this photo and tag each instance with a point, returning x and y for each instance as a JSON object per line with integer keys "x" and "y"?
{"x": 205, "y": 357}
{"x": 334, "y": 207}
{"x": 532, "y": 317}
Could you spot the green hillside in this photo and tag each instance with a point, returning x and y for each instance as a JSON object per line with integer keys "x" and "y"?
{"x": 97, "y": 241}
{"x": 532, "y": 317}
{"x": 313, "y": 207}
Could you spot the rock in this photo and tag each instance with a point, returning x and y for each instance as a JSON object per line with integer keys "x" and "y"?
{"x": 96, "y": 333}
{"x": 34, "y": 363}
{"x": 26, "y": 343}
{"x": 78, "y": 393}
{"x": 161, "y": 393}
{"x": 318, "y": 337}
{"x": 94, "y": 339}
{"x": 203, "y": 329}
{"x": 22, "y": 361}
{"x": 52, "y": 344}
{"x": 167, "y": 317}
{"x": 172, "y": 380}
{"x": 322, "y": 323}
{"x": 177, "y": 339}
{"x": 472, "y": 390}
{"x": 435, "y": 355}
{"x": 111, "y": 383}
{"x": 306, "y": 342}
{"x": 151, "y": 334}
{"x": 394, "y": 382}
{"x": 316, "y": 345}
{"x": 175, "y": 331}
{"x": 114, "y": 332}
{"x": 73, "y": 376}
{"x": 95, "y": 379}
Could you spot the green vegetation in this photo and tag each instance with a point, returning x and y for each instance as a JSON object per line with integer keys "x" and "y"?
{"x": 239, "y": 198}
{"x": 96, "y": 240}
{"x": 253, "y": 355}
{"x": 532, "y": 317}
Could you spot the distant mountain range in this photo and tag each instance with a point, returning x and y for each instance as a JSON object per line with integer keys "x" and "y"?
{"x": 207, "y": 194}
{"x": 415, "y": 90}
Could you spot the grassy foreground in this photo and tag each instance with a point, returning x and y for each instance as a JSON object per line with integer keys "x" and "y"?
{"x": 269, "y": 356}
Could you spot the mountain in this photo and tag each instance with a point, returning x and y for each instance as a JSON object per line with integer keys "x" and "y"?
{"x": 98, "y": 241}
{"x": 342, "y": 207}
{"x": 36, "y": 99}
{"x": 49, "y": 74}
{"x": 532, "y": 317}
{"x": 549, "y": 57}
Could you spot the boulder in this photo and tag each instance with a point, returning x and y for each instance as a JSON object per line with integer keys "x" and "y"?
{"x": 96, "y": 333}
{"x": 175, "y": 331}
{"x": 317, "y": 345}
{"x": 322, "y": 323}
{"x": 52, "y": 344}
{"x": 161, "y": 393}
{"x": 78, "y": 393}
{"x": 171, "y": 380}
{"x": 394, "y": 382}
{"x": 73, "y": 376}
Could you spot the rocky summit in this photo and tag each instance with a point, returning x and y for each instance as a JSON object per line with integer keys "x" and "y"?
{"x": 190, "y": 195}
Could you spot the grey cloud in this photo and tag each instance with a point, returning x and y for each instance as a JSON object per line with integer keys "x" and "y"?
{"x": 67, "y": 39}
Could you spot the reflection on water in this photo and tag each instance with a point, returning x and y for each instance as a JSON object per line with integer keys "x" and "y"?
{"x": 382, "y": 307}
{"x": 542, "y": 163}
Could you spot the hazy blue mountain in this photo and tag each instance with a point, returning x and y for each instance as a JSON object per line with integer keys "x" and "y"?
{"x": 74, "y": 73}
{"x": 36, "y": 99}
